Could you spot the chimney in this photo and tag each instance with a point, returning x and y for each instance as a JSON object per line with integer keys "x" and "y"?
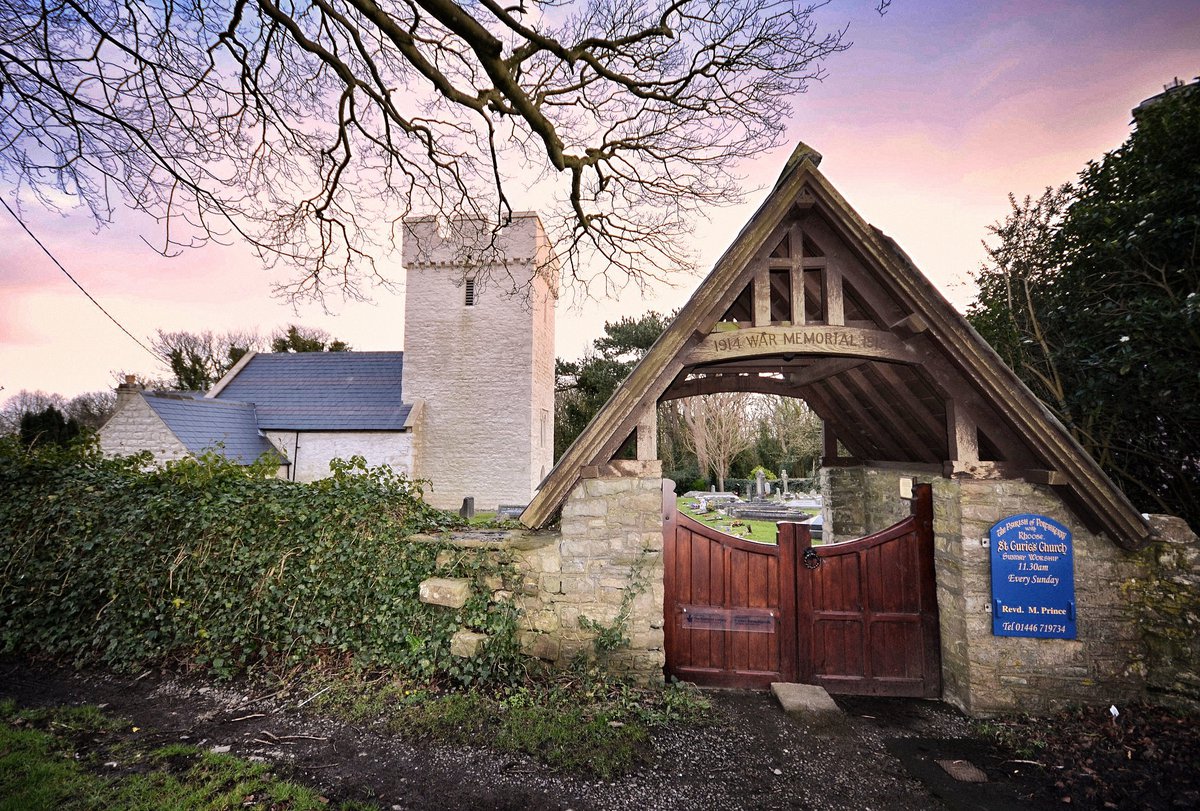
{"x": 1175, "y": 86}
{"x": 127, "y": 391}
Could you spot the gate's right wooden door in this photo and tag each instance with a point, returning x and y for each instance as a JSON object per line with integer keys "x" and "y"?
{"x": 868, "y": 622}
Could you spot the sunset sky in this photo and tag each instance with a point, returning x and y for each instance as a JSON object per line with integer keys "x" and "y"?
{"x": 936, "y": 113}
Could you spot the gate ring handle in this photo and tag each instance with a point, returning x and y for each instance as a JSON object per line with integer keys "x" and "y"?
{"x": 811, "y": 559}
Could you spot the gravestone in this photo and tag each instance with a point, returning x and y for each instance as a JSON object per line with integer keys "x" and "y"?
{"x": 783, "y": 477}
{"x": 510, "y": 510}
{"x": 467, "y": 510}
{"x": 760, "y": 480}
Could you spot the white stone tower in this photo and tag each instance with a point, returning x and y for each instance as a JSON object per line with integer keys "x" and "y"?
{"x": 479, "y": 360}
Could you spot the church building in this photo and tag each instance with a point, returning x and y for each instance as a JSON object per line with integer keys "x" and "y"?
{"x": 467, "y": 407}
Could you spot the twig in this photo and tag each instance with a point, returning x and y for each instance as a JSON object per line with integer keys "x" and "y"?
{"x": 314, "y": 695}
{"x": 247, "y": 717}
{"x": 1029, "y": 762}
{"x": 263, "y": 698}
{"x": 301, "y": 737}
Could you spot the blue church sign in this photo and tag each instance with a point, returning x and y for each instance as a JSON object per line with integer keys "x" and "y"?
{"x": 1033, "y": 578}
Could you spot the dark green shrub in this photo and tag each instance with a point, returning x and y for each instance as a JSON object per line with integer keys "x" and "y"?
{"x": 209, "y": 564}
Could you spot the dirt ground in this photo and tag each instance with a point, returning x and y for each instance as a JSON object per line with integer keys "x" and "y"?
{"x": 884, "y": 755}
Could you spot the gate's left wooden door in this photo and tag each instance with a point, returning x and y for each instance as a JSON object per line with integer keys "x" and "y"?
{"x": 730, "y": 607}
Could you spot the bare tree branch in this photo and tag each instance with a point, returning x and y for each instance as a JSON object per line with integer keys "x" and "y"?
{"x": 310, "y": 128}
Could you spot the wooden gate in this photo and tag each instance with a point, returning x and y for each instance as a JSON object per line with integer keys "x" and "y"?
{"x": 857, "y": 618}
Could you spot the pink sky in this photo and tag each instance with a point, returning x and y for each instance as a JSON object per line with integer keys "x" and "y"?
{"x": 937, "y": 112}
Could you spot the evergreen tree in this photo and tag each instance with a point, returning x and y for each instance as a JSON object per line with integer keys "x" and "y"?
{"x": 583, "y": 386}
{"x": 47, "y": 427}
{"x": 1093, "y": 295}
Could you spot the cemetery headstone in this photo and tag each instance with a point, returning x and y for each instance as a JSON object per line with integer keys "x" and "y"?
{"x": 467, "y": 510}
{"x": 510, "y": 510}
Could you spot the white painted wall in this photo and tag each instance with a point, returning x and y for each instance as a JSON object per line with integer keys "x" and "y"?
{"x": 484, "y": 373}
{"x": 310, "y": 451}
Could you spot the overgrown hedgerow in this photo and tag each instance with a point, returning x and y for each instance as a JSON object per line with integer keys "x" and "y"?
{"x": 204, "y": 563}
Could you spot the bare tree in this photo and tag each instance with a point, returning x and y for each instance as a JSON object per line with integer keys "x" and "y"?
{"x": 310, "y": 129}
{"x": 719, "y": 428}
{"x": 27, "y": 402}
{"x": 197, "y": 360}
{"x": 794, "y": 426}
{"x": 92, "y": 409}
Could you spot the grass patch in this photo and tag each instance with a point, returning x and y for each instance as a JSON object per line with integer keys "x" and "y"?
{"x": 57, "y": 758}
{"x": 488, "y": 520}
{"x": 750, "y": 529}
{"x": 580, "y": 722}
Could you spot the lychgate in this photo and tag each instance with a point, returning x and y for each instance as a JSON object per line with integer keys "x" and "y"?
{"x": 929, "y": 441}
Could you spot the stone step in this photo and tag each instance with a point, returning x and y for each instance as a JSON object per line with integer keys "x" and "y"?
{"x": 809, "y": 703}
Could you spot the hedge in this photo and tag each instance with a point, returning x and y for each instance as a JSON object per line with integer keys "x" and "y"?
{"x": 204, "y": 563}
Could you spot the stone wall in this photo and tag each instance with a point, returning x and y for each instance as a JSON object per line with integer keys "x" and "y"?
{"x": 988, "y": 674}
{"x": 1138, "y": 613}
{"x": 611, "y": 538}
{"x": 603, "y": 567}
{"x": 484, "y": 373}
{"x": 136, "y": 428}
{"x": 1166, "y": 596}
{"x": 1138, "y": 625}
{"x": 310, "y": 451}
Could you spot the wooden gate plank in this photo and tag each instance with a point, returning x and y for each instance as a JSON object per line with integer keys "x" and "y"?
{"x": 868, "y": 614}
{"x": 741, "y": 581}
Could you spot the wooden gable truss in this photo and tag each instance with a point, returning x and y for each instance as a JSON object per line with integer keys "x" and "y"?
{"x": 811, "y": 301}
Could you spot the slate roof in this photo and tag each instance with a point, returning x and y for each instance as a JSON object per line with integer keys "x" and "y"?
{"x": 321, "y": 391}
{"x": 228, "y": 428}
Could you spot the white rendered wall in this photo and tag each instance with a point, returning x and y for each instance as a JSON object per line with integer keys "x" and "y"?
{"x": 136, "y": 428}
{"x": 310, "y": 451}
{"x": 484, "y": 373}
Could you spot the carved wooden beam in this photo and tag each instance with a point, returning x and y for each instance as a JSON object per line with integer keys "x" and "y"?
{"x": 711, "y": 380}
{"x": 1052, "y": 477}
{"x": 800, "y": 340}
{"x": 910, "y": 325}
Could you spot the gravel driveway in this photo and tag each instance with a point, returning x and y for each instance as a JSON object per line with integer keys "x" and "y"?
{"x": 753, "y": 757}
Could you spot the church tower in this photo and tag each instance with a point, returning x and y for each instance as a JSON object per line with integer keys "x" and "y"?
{"x": 479, "y": 358}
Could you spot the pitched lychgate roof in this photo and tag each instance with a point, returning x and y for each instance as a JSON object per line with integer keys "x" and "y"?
{"x": 811, "y": 301}
{"x": 228, "y": 428}
{"x": 320, "y": 391}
